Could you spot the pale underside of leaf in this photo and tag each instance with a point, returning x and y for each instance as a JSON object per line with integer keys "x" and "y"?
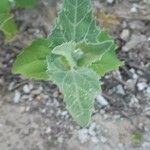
{"x": 79, "y": 88}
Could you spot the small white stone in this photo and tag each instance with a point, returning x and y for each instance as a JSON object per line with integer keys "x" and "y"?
{"x": 148, "y": 90}
{"x": 141, "y": 86}
{"x": 60, "y": 139}
{"x": 120, "y": 90}
{"x": 48, "y": 130}
{"x": 17, "y": 97}
{"x": 83, "y": 135}
{"x": 101, "y": 100}
{"x": 94, "y": 139}
{"x": 92, "y": 129}
{"x": 110, "y": 1}
{"x": 133, "y": 10}
{"x": 26, "y": 89}
{"x": 125, "y": 35}
{"x": 103, "y": 139}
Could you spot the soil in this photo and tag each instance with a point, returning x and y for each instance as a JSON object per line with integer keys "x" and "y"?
{"x": 32, "y": 113}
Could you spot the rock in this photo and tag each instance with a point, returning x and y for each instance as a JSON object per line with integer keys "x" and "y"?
{"x": 48, "y": 130}
{"x": 141, "y": 86}
{"x": 60, "y": 139}
{"x": 120, "y": 90}
{"x": 17, "y": 97}
{"x": 27, "y": 88}
{"x": 110, "y": 1}
{"x": 146, "y": 146}
{"x": 131, "y": 84}
{"x": 137, "y": 25}
{"x": 102, "y": 101}
{"x": 148, "y": 90}
{"x": 134, "y": 75}
{"x": 133, "y": 10}
{"x": 125, "y": 34}
{"x": 92, "y": 129}
{"x": 134, "y": 41}
{"x": 83, "y": 135}
{"x": 134, "y": 102}
{"x": 95, "y": 139}
{"x": 103, "y": 139}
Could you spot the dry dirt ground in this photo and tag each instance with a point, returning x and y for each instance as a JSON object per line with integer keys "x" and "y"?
{"x": 32, "y": 113}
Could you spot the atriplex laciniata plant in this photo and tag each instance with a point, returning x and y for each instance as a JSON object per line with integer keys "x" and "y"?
{"x": 74, "y": 56}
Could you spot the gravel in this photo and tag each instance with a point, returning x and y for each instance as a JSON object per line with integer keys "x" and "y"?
{"x": 17, "y": 97}
{"x": 141, "y": 86}
{"x": 102, "y": 101}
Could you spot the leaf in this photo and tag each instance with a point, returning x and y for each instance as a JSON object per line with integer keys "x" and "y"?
{"x": 75, "y": 23}
{"x": 109, "y": 60}
{"x": 32, "y": 61}
{"x": 25, "y": 3}
{"x": 79, "y": 87}
{"x": 67, "y": 50}
{"x": 93, "y": 52}
{"x": 7, "y": 25}
{"x": 4, "y": 6}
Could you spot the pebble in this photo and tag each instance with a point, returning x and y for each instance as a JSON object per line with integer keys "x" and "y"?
{"x": 110, "y": 1}
{"x": 134, "y": 102}
{"x": 148, "y": 90}
{"x": 125, "y": 34}
{"x": 83, "y": 135}
{"x": 95, "y": 139}
{"x": 131, "y": 84}
{"x": 134, "y": 41}
{"x": 60, "y": 139}
{"x": 92, "y": 129}
{"x": 27, "y": 88}
{"x": 137, "y": 25}
{"x": 120, "y": 90}
{"x": 102, "y": 101}
{"x": 103, "y": 139}
{"x": 48, "y": 130}
{"x": 17, "y": 97}
{"x": 146, "y": 146}
{"x": 141, "y": 86}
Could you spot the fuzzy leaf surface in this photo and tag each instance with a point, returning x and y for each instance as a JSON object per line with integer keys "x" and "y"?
{"x": 93, "y": 52}
{"x": 75, "y": 23}
{"x": 78, "y": 86}
{"x": 109, "y": 60}
{"x": 32, "y": 61}
{"x": 66, "y": 50}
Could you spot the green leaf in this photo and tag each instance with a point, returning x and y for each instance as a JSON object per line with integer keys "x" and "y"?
{"x": 108, "y": 62}
{"x": 25, "y": 3}
{"x": 67, "y": 50}
{"x": 75, "y": 23}
{"x": 79, "y": 87}
{"x": 7, "y": 25}
{"x": 93, "y": 52}
{"x": 4, "y": 6}
{"x": 32, "y": 61}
